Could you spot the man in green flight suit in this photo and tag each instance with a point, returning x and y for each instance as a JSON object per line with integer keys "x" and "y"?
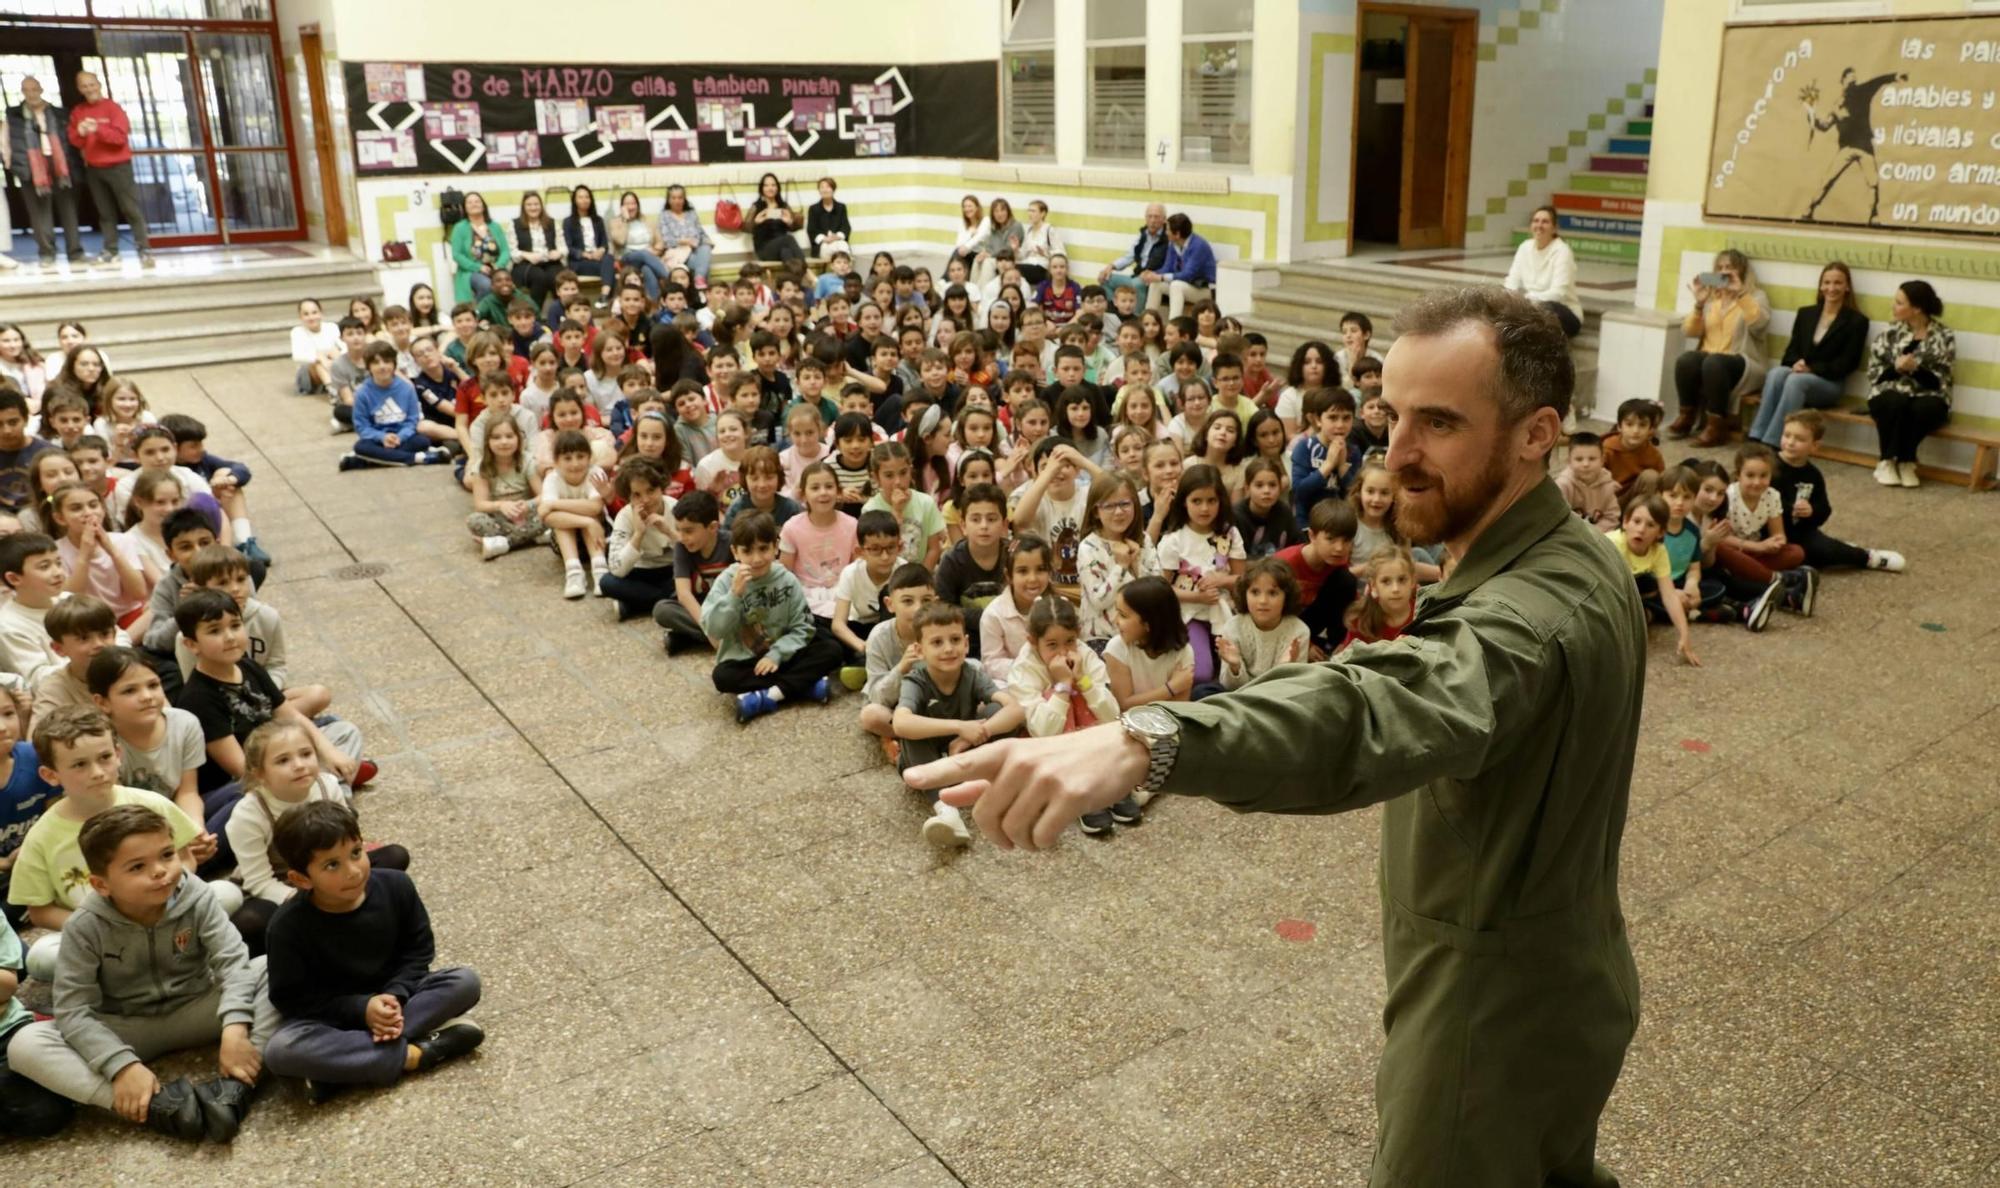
{"x": 1499, "y": 730}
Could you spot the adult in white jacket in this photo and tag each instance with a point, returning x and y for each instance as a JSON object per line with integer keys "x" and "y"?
{"x": 1545, "y": 271}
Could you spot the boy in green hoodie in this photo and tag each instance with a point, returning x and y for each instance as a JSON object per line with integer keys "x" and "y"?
{"x": 150, "y": 964}
{"x": 767, "y": 648}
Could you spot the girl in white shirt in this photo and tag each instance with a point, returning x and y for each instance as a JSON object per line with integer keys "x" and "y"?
{"x": 1149, "y": 659}
{"x": 1114, "y": 554}
{"x": 1201, "y": 554}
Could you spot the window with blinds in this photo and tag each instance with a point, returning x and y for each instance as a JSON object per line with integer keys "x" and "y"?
{"x": 1115, "y": 104}
{"x": 1028, "y": 80}
{"x": 1215, "y": 81}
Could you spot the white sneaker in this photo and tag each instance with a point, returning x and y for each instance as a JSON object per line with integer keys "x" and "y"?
{"x": 1907, "y": 471}
{"x": 946, "y": 828}
{"x": 573, "y": 582}
{"x": 491, "y": 547}
{"x": 1885, "y": 473}
{"x": 335, "y": 427}
{"x": 1888, "y": 560}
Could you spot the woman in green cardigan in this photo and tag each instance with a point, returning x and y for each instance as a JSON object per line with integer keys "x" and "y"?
{"x": 478, "y": 249}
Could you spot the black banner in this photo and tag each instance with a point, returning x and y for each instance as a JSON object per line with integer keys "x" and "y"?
{"x": 452, "y": 118}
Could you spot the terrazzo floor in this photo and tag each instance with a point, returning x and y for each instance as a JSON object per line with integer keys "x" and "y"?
{"x": 719, "y": 956}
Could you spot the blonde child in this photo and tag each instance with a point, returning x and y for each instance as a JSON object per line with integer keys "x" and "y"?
{"x": 1114, "y": 553}
{"x": 1128, "y": 451}
{"x": 1388, "y": 603}
{"x": 1003, "y": 625}
{"x": 1201, "y": 555}
{"x": 917, "y": 514}
{"x": 566, "y": 415}
{"x": 1269, "y": 632}
{"x": 100, "y": 562}
{"x": 120, "y": 414}
{"x": 1374, "y": 502}
{"x": 1141, "y": 407}
{"x": 1162, "y": 477}
{"x": 806, "y": 430}
{"x": 818, "y": 544}
{"x": 1063, "y": 686}
{"x": 1150, "y": 658}
{"x": 504, "y": 515}
{"x": 573, "y": 510}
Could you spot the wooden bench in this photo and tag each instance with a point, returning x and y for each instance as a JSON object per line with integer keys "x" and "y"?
{"x": 1985, "y": 446}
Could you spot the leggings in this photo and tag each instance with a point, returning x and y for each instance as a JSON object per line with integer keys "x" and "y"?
{"x": 1826, "y": 552}
{"x": 1901, "y": 422}
{"x": 1757, "y": 568}
{"x": 518, "y": 535}
{"x": 1706, "y": 381}
{"x": 1201, "y": 637}
{"x": 794, "y": 678}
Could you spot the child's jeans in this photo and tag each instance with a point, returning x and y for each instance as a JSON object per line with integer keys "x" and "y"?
{"x": 639, "y": 591}
{"x": 1826, "y": 552}
{"x": 320, "y": 1051}
{"x": 1759, "y": 568}
{"x": 683, "y": 629}
{"x": 39, "y": 1052}
{"x": 930, "y": 750}
{"x": 518, "y": 535}
{"x": 795, "y": 677}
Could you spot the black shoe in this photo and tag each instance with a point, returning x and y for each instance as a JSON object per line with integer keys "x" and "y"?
{"x": 449, "y": 1042}
{"x": 1096, "y": 823}
{"x": 1127, "y": 812}
{"x": 673, "y": 643}
{"x": 225, "y": 1102}
{"x": 1758, "y": 613}
{"x": 321, "y": 1092}
{"x": 176, "y": 1111}
{"x": 1808, "y": 589}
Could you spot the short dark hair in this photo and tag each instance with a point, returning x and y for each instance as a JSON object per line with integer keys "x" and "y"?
{"x": 1360, "y": 319}
{"x": 18, "y": 549}
{"x": 697, "y": 507}
{"x": 110, "y": 664}
{"x": 374, "y": 352}
{"x": 182, "y": 521}
{"x": 1365, "y": 365}
{"x": 1644, "y": 410}
{"x": 79, "y": 614}
{"x": 878, "y": 523}
{"x": 184, "y": 428}
{"x": 753, "y": 528}
{"x": 1221, "y": 361}
{"x": 1277, "y": 571}
{"x": 1534, "y": 369}
{"x": 1586, "y": 439}
{"x": 1180, "y": 225}
{"x": 939, "y": 614}
{"x": 350, "y": 322}
{"x": 983, "y": 493}
{"x": 569, "y": 442}
{"x": 200, "y": 606}
{"x": 306, "y": 829}
{"x": 1184, "y": 350}
{"x": 101, "y": 836}
{"x": 1756, "y": 451}
{"x": 907, "y": 576}
{"x": 1333, "y": 517}
{"x": 645, "y": 470}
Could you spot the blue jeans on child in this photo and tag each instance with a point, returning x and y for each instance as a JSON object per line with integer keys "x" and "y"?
{"x": 1786, "y": 392}
{"x": 318, "y": 1051}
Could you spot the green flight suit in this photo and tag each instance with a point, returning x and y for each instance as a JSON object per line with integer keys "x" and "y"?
{"x": 1500, "y": 730}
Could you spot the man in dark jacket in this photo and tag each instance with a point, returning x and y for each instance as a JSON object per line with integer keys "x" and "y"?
{"x": 48, "y": 170}
{"x": 1148, "y": 254}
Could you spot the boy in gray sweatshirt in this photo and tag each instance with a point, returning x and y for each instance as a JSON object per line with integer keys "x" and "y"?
{"x": 149, "y": 964}
{"x": 767, "y": 648}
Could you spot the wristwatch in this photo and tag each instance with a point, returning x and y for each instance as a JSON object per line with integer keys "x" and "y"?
{"x": 1160, "y": 732}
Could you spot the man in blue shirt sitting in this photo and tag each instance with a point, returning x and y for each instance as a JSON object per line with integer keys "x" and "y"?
{"x": 1148, "y": 254}
{"x": 1190, "y": 271}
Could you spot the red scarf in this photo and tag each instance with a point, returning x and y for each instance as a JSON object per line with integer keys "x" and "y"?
{"x": 45, "y": 170}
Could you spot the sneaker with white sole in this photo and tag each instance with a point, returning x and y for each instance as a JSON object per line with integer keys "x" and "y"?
{"x": 1888, "y": 560}
{"x": 334, "y": 426}
{"x": 946, "y": 828}
{"x": 573, "y": 583}
{"x": 1906, "y": 472}
{"x": 351, "y": 461}
{"x": 491, "y": 547}
{"x": 1758, "y": 613}
{"x": 1885, "y": 473}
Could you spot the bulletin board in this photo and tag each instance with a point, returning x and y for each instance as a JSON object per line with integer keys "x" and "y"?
{"x": 1891, "y": 123}
{"x": 453, "y": 117}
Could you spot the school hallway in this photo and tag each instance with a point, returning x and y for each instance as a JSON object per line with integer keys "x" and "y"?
{"x": 720, "y": 955}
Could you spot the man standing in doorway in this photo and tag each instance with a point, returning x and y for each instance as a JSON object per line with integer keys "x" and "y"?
{"x": 99, "y": 129}
{"x": 1148, "y": 254}
{"x": 47, "y": 169}
{"x": 1190, "y": 270}
{"x": 1498, "y": 732}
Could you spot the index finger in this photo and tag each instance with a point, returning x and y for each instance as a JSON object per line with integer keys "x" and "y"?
{"x": 982, "y": 763}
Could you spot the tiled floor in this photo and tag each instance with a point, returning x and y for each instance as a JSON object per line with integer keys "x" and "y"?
{"x": 721, "y": 956}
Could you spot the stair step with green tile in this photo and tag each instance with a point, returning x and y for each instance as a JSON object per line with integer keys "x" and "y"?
{"x": 1591, "y": 181}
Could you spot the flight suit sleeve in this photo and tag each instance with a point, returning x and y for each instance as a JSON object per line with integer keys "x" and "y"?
{"x": 1379, "y": 721}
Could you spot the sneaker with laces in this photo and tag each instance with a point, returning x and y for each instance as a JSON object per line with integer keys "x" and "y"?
{"x": 1885, "y": 473}
{"x": 224, "y": 1102}
{"x": 1758, "y": 613}
{"x": 573, "y": 582}
{"x": 1906, "y": 473}
{"x": 491, "y": 547}
{"x": 435, "y": 455}
{"x": 1888, "y": 560}
{"x": 1808, "y": 589}
{"x": 1096, "y": 823}
{"x": 176, "y": 1111}
{"x": 334, "y": 426}
{"x": 1127, "y": 812}
{"x": 321, "y": 1092}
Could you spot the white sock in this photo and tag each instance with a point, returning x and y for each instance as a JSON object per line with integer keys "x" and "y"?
{"x": 572, "y": 567}
{"x": 774, "y": 693}
{"x": 242, "y": 526}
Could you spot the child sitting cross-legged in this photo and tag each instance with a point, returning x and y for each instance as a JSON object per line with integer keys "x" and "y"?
{"x": 641, "y": 555}
{"x": 185, "y": 532}
{"x": 571, "y": 508}
{"x": 280, "y": 771}
{"x": 388, "y": 418}
{"x": 763, "y": 475}
{"x": 1589, "y": 488}
{"x": 857, "y": 595}
{"x": 893, "y": 651}
{"x": 701, "y": 554}
{"x": 1755, "y": 548}
{"x": 226, "y": 479}
{"x": 946, "y": 706}
{"x": 1630, "y": 456}
{"x": 504, "y": 505}
{"x": 160, "y": 748}
{"x": 1062, "y": 685}
{"x": 1712, "y": 599}
{"x": 767, "y": 649}
{"x": 818, "y": 544}
{"x": 150, "y": 965}
{"x": 350, "y": 964}
{"x": 566, "y": 415}
{"x": 101, "y": 562}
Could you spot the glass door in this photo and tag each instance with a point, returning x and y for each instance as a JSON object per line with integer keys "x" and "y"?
{"x": 246, "y": 127}
{"x": 149, "y": 73}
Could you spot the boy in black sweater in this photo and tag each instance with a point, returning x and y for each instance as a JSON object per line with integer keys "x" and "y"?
{"x": 349, "y": 965}
{"x": 1802, "y": 489}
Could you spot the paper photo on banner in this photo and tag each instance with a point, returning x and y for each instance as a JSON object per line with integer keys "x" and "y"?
{"x": 821, "y": 115}
{"x": 513, "y": 150}
{"x": 719, "y": 113}
{"x": 385, "y": 150}
{"x": 676, "y": 148}
{"x": 766, "y": 144}
{"x": 560, "y": 117}
{"x": 622, "y": 122}
{"x": 394, "y": 82}
{"x": 451, "y": 121}
{"x": 875, "y": 140}
{"x": 873, "y": 100}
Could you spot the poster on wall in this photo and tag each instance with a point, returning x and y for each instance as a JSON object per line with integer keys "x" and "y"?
{"x": 523, "y": 116}
{"x": 1861, "y": 123}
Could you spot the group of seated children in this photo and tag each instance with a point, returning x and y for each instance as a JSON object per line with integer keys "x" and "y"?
{"x": 1707, "y": 545}
{"x": 182, "y": 800}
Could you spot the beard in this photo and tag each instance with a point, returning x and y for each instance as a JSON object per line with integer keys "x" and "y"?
{"x": 1446, "y": 509}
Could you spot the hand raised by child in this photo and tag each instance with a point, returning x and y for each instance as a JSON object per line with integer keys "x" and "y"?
{"x": 202, "y": 848}
{"x": 602, "y": 484}
{"x": 1292, "y": 653}
{"x": 132, "y": 1091}
{"x": 238, "y": 1057}
{"x": 384, "y": 1016}
{"x": 740, "y": 582}
{"x": 1232, "y": 655}
{"x": 660, "y": 522}
{"x": 911, "y": 655}
{"x": 1125, "y": 553}
{"x": 766, "y": 665}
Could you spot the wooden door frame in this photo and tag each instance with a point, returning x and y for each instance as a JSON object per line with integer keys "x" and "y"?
{"x": 333, "y": 207}
{"x": 1465, "y": 65}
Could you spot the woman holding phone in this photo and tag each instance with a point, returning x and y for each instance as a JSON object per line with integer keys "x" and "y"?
{"x": 1727, "y": 322}
{"x": 1909, "y": 380}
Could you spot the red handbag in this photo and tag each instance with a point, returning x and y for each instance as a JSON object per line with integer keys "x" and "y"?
{"x": 728, "y": 215}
